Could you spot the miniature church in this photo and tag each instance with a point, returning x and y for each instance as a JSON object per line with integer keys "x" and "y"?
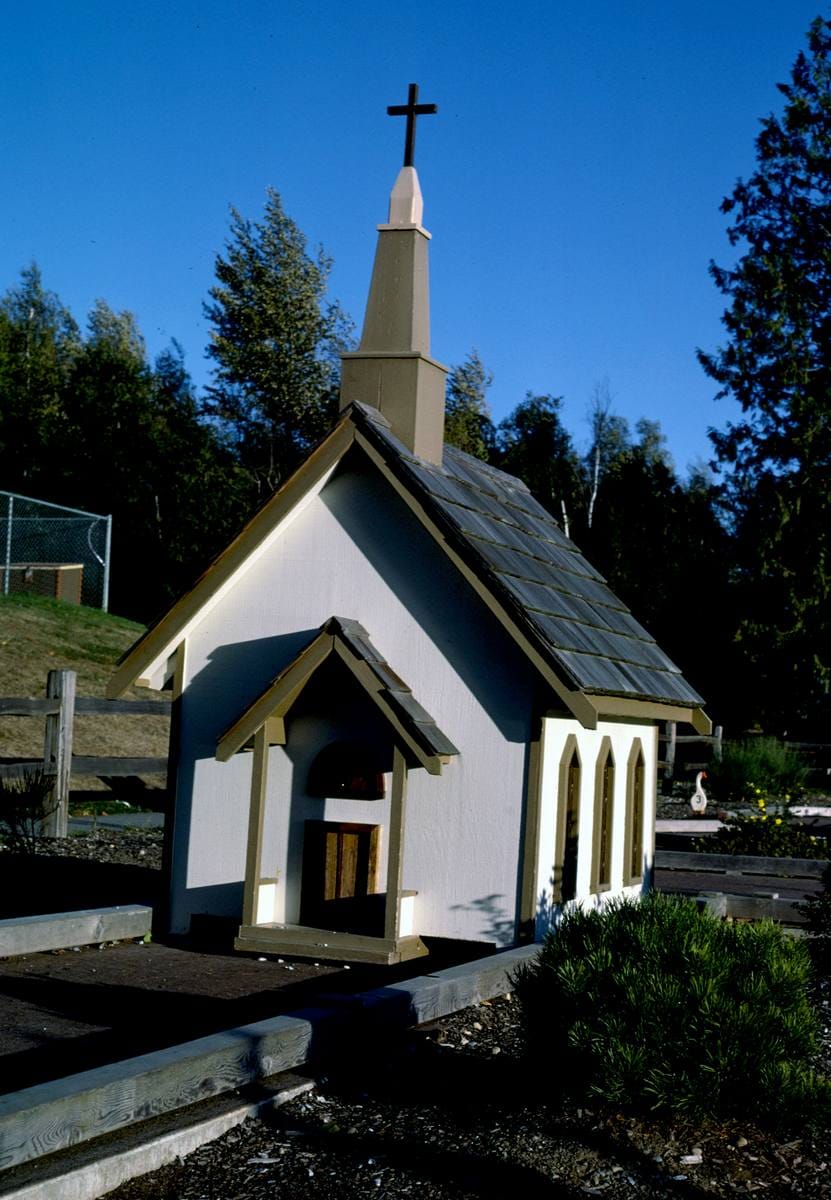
{"x": 405, "y": 705}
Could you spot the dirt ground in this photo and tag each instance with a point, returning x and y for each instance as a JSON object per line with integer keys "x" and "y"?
{"x": 69, "y": 1010}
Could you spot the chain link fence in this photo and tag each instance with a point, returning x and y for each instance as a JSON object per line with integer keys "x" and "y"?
{"x": 50, "y": 550}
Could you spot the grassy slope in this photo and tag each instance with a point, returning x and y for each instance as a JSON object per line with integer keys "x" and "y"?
{"x": 39, "y": 635}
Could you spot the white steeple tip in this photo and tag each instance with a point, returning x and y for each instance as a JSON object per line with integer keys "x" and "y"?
{"x": 406, "y": 203}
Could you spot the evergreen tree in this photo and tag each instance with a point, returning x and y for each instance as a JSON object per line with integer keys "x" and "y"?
{"x": 132, "y": 444}
{"x": 534, "y": 444}
{"x": 467, "y": 420}
{"x": 39, "y": 342}
{"x": 777, "y": 363}
{"x": 274, "y": 344}
{"x": 664, "y": 552}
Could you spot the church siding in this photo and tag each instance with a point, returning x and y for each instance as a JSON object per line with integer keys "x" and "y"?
{"x": 356, "y": 551}
{"x": 556, "y": 731}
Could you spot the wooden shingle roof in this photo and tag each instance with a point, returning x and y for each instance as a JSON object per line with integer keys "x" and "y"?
{"x": 349, "y": 640}
{"x": 517, "y": 549}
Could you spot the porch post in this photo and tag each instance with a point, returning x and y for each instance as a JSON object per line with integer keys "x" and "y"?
{"x": 398, "y": 799}
{"x": 256, "y": 816}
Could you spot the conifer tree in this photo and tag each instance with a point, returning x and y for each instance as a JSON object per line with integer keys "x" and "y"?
{"x": 777, "y": 363}
{"x": 274, "y": 344}
{"x": 467, "y": 420}
{"x": 535, "y": 445}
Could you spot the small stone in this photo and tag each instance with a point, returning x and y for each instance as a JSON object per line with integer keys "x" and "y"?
{"x": 496, "y": 1050}
{"x": 262, "y": 960}
{"x": 741, "y": 1141}
{"x": 691, "y": 1160}
{"x": 477, "y": 1025}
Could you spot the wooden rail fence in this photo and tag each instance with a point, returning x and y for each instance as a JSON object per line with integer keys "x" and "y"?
{"x": 817, "y": 753}
{"x": 58, "y": 709}
{"x": 672, "y": 739}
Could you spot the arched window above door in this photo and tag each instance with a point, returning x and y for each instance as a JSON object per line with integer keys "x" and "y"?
{"x": 350, "y": 770}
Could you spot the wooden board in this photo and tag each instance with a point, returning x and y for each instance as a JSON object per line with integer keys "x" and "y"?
{"x": 742, "y": 864}
{"x": 51, "y": 1116}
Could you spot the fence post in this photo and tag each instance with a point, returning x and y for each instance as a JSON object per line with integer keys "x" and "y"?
{"x": 672, "y": 730}
{"x": 717, "y": 734}
{"x": 108, "y": 542}
{"x": 7, "y": 572}
{"x": 57, "y": 749}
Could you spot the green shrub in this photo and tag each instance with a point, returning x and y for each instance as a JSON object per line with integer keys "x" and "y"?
{"x": 766, "y": 834}
{"x": 655, "y": 1005}
{"x": 762, "y": 763}
{"x": 817, "y": 913}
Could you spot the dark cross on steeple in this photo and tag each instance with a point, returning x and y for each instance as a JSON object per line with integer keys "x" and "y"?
{"x": 411, "y": 110}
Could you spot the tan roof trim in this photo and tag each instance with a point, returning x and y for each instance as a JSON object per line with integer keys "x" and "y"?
{"x": 575, "y": 701}
{"x": 158, "y": 641}
{"x": 432, "y": 763}
{"x": 628, "y": 706}
{"x": 276, "y": 701}
{"x": 278, "y": 697}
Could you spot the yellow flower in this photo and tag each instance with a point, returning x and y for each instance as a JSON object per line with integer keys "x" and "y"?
{"x": 758, "y": 791}
{"x": 764, "y": 816}
{"x": 778, "y": 821}
{"x": 787, "y": 795}
{"x": 761, "y": 803}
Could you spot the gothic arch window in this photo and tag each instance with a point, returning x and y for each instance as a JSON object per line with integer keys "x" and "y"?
{"x": 350, "y": 770}
{"x": 635, "y": 806}
{"x": 604, "y": 800}
{"x": 568, "y": 823}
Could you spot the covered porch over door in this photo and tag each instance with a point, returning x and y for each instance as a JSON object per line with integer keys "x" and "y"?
{"x": 343, "y": 892}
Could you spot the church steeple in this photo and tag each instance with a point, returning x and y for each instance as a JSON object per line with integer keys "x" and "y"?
{"x": 392, "y": 368}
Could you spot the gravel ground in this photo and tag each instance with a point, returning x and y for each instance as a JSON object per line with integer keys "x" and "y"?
{"x": 450, "y": 1113}
{"x": 130, "y": 847}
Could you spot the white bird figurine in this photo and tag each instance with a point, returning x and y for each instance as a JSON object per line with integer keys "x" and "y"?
{"x": 698, "y": 800}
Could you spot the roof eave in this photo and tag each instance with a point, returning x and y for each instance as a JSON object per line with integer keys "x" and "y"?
{"x": 142, "y": 660}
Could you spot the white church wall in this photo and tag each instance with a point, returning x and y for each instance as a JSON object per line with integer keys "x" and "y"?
{"x": 622, "y": 735}
{"x": 356, "y": 551}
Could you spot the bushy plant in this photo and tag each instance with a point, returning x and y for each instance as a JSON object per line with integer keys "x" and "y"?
{"x": 771, "y": 834}
{"x": 758, "y": 763}
{"x": 817, "y": 913}
{"x": 25, "y": 803}
{"x": 655, "y": 1005}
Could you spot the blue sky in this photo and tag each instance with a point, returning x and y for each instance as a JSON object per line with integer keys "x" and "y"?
{"x": 572, "y": 177}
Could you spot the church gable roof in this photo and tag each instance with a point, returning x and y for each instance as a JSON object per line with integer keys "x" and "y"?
{"x": 560, "y": 610}
{"x": 517, "y": 549}
{"x": 350, "y": 641}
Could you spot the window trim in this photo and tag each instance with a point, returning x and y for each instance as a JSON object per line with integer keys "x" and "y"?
{"x": 571, "y": 749}
{"x": 636, "y": 758}
{"x": 605, "y": 758}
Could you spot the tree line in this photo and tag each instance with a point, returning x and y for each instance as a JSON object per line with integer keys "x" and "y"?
{"x": 731, "y": 572}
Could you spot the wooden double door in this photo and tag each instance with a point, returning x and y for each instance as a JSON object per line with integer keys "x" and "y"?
{"x": 340, "y": 878}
